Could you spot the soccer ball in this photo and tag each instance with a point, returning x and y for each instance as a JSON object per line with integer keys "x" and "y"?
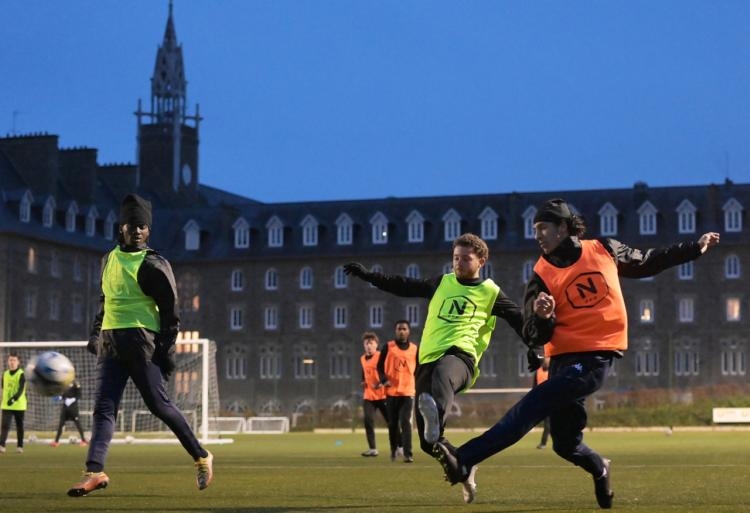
{"x": 50, "y": 373}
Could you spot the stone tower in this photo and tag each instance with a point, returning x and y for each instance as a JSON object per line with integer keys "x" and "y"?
{"x": 167, "y": 153}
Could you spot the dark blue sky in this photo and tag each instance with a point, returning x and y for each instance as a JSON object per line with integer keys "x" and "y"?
{"x": 338, "y": 99}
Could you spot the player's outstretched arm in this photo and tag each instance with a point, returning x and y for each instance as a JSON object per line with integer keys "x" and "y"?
{"x": 358, "y": 270}
{"x": 708, "y": 240}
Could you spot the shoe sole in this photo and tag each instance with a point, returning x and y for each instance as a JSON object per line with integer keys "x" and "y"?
{"x": 81, "y": 492}
{"x": 470, "y": 486}
{"x": 429, "y": 411}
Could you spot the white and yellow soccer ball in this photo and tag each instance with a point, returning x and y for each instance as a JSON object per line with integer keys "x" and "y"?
{"x": 50, "y": 373}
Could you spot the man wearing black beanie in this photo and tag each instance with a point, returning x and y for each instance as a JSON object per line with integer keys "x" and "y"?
{"x": 133, "y": 337}
{"x": 574, "y": 308}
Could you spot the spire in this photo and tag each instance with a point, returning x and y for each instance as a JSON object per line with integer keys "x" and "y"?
{"x": 168, "y": 84}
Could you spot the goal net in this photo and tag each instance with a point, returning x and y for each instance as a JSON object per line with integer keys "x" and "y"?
{"x": 193, "y": 388}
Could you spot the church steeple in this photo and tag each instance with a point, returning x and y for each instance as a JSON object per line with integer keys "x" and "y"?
{"x": 167, "y": 145}
{"x": 168, "y": 84}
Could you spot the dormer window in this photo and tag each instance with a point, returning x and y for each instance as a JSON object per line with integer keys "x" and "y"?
{"x": 275, "y": 229}
{"x": 608, "y": 220}
{"x": 192, "y": 235}
{"x": 309, "y": 231}
{"x": 70, "y": 217}
{"x": 379, "y": 225}
{"x": 91, "y": 218}
{"x": 686, "y": 217}
{"x": 732, "y": 216}
{"x": 488, "y": 219}
{"x": 528, "y": 222}
{"x": 647, "y": 219}
{"x": 48, "y": 212}
{"x": 451, "y": 225}
{"x": 344, "y": 229}
{"x": 24, "y": 209}
{"x": 241, "y": 233}
{"x": 415, "y": 227}
{"x": 109, "y": 226}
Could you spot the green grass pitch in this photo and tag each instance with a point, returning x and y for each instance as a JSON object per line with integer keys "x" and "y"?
{"x": 302, "y": 472}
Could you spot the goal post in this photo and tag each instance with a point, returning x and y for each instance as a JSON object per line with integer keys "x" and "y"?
{"x": 193, "y": 387}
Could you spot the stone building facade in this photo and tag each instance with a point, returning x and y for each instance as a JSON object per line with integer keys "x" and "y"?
{"x": 265, "y": 281}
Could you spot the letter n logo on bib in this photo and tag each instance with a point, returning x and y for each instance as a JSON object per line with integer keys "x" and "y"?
{"x": 457, "y": 309}
{"x": 587, "y": 290}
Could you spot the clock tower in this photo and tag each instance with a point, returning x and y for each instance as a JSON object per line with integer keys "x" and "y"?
{"x": 167, "y": 153}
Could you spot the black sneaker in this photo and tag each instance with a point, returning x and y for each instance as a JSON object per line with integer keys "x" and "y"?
{"x": 454, "y": 471}
{"x": 604, "y": 493}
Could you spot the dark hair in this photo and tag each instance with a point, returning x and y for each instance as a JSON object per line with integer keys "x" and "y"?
{"x": 576, "y": 225}
{"x": 469, "y": 240}
{"x": 369, "y": 335}
{"x": 13, "y": 355}
{"x": 402, "y": 321}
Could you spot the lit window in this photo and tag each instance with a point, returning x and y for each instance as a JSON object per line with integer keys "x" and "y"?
{"x": 646, "y": 309}
{"x": 31, "y": 261}
{"x": 733, "y": 309}
{"x": 379, "y": 225}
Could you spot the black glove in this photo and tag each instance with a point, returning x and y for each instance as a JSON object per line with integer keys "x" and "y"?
{"x": 11, "y": 401}
{"x": 358, "y": 270}
{"x": 535, "y": 361}
{"x": 164, "y": 359}
{"x": 93, "y": 346}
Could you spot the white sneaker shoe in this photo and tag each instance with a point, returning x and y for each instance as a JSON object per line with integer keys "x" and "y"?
{"x": 470, "y": 486}
{"x": 370, "y": 453}
{"x": 429, "y": 411}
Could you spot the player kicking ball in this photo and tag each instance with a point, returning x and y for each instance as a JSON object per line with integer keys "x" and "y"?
{"x": 133, "y": 337}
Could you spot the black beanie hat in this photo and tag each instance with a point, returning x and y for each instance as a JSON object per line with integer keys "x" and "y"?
{"x": 135, "y": 211}
{"x": 553, "y": 211}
